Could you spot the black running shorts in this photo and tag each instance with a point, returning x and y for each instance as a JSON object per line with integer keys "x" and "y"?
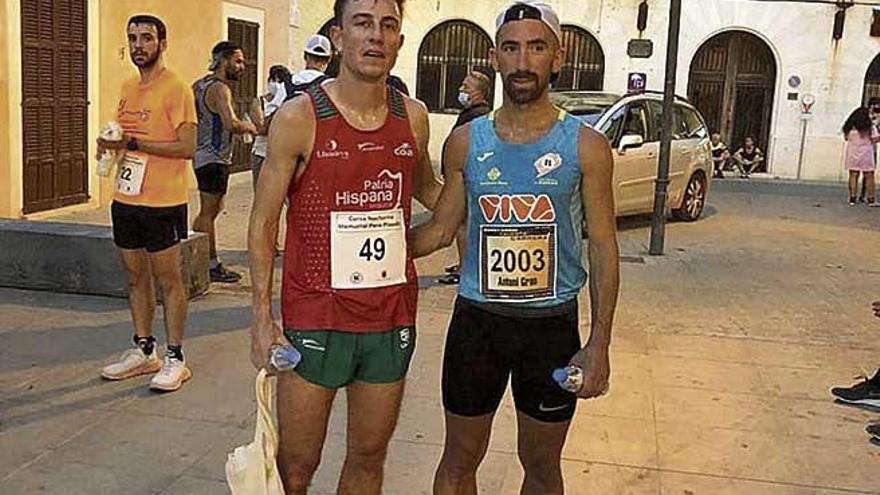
{"x": 144, "y": 227}
{"x": 213, "y": 178}
{"x": 484, "y": 348}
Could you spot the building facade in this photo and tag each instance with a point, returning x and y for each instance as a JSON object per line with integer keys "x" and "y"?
{"x": 747, "y": 65}
{"x": 62, "y": 69}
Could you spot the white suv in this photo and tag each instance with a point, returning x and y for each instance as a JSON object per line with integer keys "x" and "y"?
{"x": 632, "y": 124}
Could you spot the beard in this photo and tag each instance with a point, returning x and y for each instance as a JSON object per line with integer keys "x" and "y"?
{"x": 146, "y": 63}
{"x": 527, "y": 94}
{"x": 232, "y": 75}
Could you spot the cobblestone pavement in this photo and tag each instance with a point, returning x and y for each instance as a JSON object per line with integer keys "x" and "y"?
{"x": 723, "y": 354}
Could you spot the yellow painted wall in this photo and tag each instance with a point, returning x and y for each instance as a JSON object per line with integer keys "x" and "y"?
{"x": 194, "y": 26}
{"x": 193, "y": 29}
{"x": 5, "y": 165}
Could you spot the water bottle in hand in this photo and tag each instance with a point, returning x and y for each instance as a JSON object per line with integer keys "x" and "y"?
{"x": 570, "y": 378}
{"x": 284, "y": 357}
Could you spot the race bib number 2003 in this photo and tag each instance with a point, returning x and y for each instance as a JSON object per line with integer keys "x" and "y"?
{"x": 518, "y": 263}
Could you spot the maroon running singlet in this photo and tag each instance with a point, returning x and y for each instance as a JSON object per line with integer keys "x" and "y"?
{"x": 347, "y": 265}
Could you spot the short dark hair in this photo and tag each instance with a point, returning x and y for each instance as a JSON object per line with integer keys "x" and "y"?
{"x": 339, "y": 7}
{"x": 874, "y": 102}
{"x": 161, "y": 31}
{"x": 224, "y": 49}
{"x": 279, "y": 73}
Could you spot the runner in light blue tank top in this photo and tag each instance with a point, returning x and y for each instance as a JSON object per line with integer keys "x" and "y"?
{"x": 525, "y": 181}
{"x": 524, "y": 203}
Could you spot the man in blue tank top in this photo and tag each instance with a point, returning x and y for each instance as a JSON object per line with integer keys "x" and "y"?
{"x": 524, "y": 178}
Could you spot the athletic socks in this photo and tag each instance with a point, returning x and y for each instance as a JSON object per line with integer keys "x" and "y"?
{"x": 175, "y": 351}
{"x": 145, "y": 344}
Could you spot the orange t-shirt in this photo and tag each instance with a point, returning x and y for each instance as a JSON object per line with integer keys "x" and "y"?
{"x": 153, "y": 112}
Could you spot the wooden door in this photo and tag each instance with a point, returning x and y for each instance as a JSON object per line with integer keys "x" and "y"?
{"x": 54, "y": 35}
{"x": 246, "y": 35}
{"x": 872, "y": 81}
{"x": 732, "y": 82}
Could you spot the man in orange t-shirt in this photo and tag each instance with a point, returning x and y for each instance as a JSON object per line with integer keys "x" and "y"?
{"x": 157, "y": 115}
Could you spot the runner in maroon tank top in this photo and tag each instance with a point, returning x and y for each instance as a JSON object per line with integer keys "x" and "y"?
{"x": 350, "y": 156}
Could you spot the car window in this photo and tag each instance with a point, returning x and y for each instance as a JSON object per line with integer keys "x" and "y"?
{"x": 657, "y": 121}
{"x": 680, "y": 122}
{"x": 611, "y": 127}
{"x": 636, "y": 121}
{"x": 693, "y": 123}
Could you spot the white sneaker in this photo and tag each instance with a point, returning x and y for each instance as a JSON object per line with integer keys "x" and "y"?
{"x": 172, "y": 375}
{"x": 133, "y": 362}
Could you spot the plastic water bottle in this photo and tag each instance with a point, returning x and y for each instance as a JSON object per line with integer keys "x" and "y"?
{"x": 570, "y": 378}
{"x": 284, "y": 357}
{"x": 105, "y": 164}
{"x": 247, "y": 138}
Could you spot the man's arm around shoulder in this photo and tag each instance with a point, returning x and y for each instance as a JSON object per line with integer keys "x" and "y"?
{"x": 451, "y": 208}
{"x": 426, "y": 187}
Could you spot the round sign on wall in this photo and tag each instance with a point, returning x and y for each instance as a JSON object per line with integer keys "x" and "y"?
{"x": 794, "y": 81}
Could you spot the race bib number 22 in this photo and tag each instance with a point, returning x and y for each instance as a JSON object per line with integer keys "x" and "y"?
{"x": 132, "y": 169}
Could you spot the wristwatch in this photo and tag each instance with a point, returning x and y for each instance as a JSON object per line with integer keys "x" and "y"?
{"x": 132, "y": 144}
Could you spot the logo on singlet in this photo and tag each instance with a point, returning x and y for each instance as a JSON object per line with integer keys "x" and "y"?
{"x": 382, "y": 192}
{"x": 404, "y": 150}
{"x": 331, "y": 150}
{"x": 369, "y": 146}
{"x": 521, "y": 207}
{"x": 547, "y": 164}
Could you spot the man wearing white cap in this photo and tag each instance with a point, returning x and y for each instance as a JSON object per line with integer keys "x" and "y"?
{"x": 317, "y": 55}
{"x": 525, "y": 177}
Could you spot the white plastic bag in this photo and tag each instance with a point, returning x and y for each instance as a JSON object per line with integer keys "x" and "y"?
{"x": 110, "y": 132}
{"x": 251, "y": 468}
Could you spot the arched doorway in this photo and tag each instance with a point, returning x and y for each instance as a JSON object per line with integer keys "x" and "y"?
{"x": 584, "y": 61}
{"x": 446, "y": 55}
{"x": 872, "y": 81}
{"x": 732, "y": 81}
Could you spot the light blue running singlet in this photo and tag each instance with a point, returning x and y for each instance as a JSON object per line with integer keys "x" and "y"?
{"x": 525, "y": 217}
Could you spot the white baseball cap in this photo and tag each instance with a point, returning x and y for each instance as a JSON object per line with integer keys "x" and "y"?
{"x": 530, "y": 9}
{"x": 319, "y": 46}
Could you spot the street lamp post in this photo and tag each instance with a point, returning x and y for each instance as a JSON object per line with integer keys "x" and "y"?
{"x": 658, "y": 223}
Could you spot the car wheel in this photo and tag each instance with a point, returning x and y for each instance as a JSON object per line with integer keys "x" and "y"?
{"x": 694, "y": 199}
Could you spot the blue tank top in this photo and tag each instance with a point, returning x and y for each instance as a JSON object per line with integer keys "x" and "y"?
{"x": 213, "y": 142}
{"x": 525, "y": 217}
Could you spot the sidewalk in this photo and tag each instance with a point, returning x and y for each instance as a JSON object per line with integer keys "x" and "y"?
{"x": 723, "y": 354}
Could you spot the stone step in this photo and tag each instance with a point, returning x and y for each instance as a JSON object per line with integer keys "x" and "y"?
{"x": 82, "y": 259}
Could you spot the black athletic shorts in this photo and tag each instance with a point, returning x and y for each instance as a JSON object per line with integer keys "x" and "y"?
{"x": 213, "y": 178}
{"x": 484, "y": 348}
{"x": 143, "y": 227}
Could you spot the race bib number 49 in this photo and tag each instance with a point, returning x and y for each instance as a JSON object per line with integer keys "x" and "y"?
{"x": 518, "y": 263}
{"x": 367, "y": 249}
